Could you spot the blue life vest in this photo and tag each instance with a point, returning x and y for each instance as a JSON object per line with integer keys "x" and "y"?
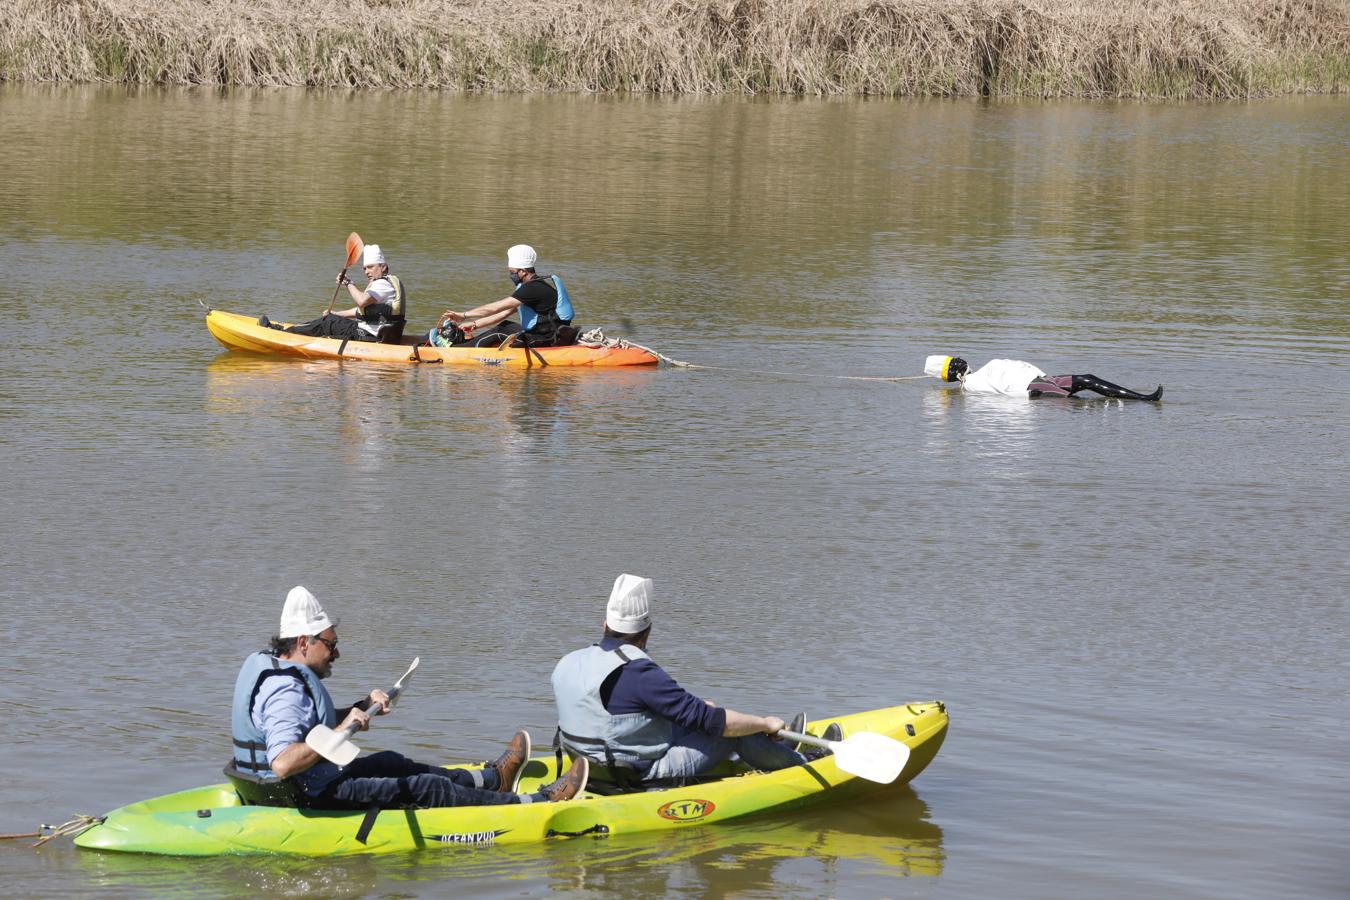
{"x": 631, "y": 740}
{"x": 563, "y": 310}
{"x": 250, "y": 744}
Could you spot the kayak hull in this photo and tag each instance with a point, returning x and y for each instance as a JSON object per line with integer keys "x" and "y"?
{"x": 211, "y": 821}
{"x": 236, "y": 332}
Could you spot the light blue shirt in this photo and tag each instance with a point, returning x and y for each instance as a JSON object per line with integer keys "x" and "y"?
{"x": 285, "y": 714}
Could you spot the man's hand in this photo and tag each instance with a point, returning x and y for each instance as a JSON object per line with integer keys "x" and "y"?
{"x": 773, "y": 725}
{"x": 451, "y": 316}
{"x": 378, "y": 701}
{"x": 343, "y": 280}
{"x": 356, "y": 716}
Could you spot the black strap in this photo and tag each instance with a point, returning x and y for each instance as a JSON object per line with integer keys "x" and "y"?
{"x": 624, "y": 775}
{"x": 253, "y": 749}
{"x": 529, "y": 348}
{"x": 343, "y": 346}
{"x": 367, "y": 823}
{"x": 594, "y": 829}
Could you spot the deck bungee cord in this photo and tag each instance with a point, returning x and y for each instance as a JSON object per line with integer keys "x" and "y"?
{"x": 596, "y": 338}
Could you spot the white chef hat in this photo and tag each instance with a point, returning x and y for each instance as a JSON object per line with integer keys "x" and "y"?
{"x": 630, "y": 604}
{"x": 302, "y": 615}
{"x": 521, "y": 256}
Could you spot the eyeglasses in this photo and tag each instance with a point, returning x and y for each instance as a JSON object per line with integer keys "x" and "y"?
{"x": 330, "y": 643}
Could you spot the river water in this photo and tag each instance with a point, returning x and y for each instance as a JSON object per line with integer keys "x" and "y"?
{"x": 1136, "y": 612}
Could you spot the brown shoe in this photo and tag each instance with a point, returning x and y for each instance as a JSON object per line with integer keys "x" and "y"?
{"x": 511, "y": 763}
{"x": 572, "y": 782}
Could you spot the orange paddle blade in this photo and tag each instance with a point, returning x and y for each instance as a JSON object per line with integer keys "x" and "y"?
{"x": 354, "y": 247}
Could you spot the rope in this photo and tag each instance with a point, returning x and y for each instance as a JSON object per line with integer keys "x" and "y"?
{"x": 596, "y": 338}
{"x": 45, "y": 833}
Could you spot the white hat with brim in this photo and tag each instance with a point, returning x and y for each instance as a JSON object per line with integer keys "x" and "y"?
{"x": 372, "y": 256}
{"x": 302, "y": 615}
{"x": 630, "y": 604}
{"x": 521, "y": 256}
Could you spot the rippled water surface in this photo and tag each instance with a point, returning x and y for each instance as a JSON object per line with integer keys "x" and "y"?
{"x": 1136, "y": 613}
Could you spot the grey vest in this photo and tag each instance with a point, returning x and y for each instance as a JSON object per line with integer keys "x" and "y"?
{"x": 631, "y": 740}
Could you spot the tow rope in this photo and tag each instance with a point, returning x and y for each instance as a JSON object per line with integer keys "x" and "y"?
{"x": 596, "y": 338}
{"x": 45, "y": 833}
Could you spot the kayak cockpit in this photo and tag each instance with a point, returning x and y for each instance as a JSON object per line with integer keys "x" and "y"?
{"x": 255, "y": 790}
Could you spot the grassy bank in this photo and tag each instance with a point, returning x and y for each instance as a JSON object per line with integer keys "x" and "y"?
{"x": 1043, "y": 48}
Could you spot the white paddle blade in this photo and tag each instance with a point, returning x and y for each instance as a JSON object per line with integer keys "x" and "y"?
{"x": 333, "y": 746}
{"x": 398, "y": 685}
{"x": 871, "y": 756}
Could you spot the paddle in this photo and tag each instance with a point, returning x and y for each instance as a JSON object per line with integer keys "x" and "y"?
{"x": 866, "y": 754}
{"x": 354, "y": 247}
{"x": 336, "y": 746}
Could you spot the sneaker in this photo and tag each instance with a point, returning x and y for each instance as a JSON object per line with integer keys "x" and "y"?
{"x": 798, "y": 724}
{"x": 572, "y": 782}
{"x": 264, "y": 321}
{"x": 511, "y": 763}
{"x": 832, "y": 732}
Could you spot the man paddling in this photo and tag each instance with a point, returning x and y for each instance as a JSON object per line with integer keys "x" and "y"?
{"x": 279, "y": 696}
{"x": 621, "y": 710}
{"x": 1014, "y": 378}
{"x": 545, "y": 310}
{"x": 380, "y": 311}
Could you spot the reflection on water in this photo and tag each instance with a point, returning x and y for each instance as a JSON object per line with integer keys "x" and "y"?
{"x": 829, "y": 850}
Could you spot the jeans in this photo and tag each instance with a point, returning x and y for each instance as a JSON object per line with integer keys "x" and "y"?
{"x": 391, "y": 780}
{"x": 694, "y": 753}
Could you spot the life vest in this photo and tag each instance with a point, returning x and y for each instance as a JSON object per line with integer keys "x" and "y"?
{"x": 250, "y": 744}
{"x": 379, "y": 312}
{"x": 562, "y": 310}
{"x": 626, "y": 741}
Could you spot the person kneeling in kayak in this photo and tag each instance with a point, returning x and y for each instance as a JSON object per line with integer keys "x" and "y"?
{"x": 545, "y": 311}
{"x": 279, "y": 696}
{"x": 379, "y": 314}
{"x": 621, "y": 710}
{"x": 1015, "y": 378}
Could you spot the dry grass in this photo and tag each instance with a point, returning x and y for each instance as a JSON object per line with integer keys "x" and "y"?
{"x": 1044, "y": 48}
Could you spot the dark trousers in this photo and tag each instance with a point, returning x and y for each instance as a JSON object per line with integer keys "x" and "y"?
{"x": 332, "y": 326}
{"x": 390, "y": 780}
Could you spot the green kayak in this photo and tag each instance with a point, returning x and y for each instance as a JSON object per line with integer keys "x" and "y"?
{"x": 213, "y": 820}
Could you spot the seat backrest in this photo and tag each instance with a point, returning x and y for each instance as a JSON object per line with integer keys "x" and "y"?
{"x": 392, "y": 333}
{"x": 256, "y": 790}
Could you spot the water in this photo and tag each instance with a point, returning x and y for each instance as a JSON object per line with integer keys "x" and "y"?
{"x": 1136, "y": 613}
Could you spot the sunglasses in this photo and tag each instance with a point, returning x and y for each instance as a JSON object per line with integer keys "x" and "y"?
{"x": 330, "y": 643}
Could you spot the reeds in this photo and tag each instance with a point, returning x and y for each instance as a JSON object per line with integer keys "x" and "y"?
{"x": 1043, "y": 48}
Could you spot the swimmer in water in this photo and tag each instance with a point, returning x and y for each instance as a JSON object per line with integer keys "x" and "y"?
{"x": 1014, "y": 378}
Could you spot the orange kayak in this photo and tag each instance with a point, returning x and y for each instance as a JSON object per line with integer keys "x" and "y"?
{"x": 238, "y": 332}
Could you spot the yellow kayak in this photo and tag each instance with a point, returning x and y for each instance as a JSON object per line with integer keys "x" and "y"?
{"x": 209, "y": 821}
{"x": 238, "y": 332}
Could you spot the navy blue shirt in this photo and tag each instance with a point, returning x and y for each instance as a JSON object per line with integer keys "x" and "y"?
{"x": 643, "y": 685}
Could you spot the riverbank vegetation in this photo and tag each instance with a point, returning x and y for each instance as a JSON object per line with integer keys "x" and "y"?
{"x": 1041, "y": 48}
